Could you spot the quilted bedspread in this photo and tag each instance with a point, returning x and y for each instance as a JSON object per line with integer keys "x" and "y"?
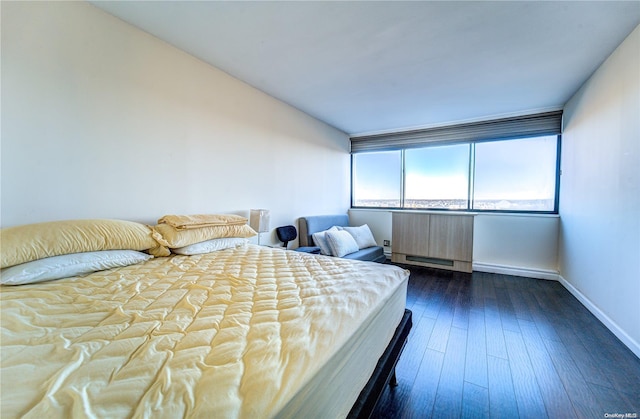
{"x": 233, "y": 333}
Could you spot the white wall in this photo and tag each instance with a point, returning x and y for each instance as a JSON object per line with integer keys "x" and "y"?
{"x": 599, "y": 249}
{"x": 523, "y": 245}
{"x": 516, "y": 244}
{"x": 100, "y": 119}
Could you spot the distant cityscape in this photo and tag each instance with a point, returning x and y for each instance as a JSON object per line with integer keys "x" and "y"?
{"x": 461, "y": 204}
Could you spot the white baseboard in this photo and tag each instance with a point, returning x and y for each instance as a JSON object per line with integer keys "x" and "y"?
{"x": 606, "y": 320}
{"x": 516, "y": 271}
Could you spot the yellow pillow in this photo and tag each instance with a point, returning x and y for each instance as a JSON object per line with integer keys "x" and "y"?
{"x": 172, "y": 237}
{"x": 36, "y": 241}
{"x": 202, "y": 220}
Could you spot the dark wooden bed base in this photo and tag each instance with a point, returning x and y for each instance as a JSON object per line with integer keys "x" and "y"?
{"x": 385, "y": 372}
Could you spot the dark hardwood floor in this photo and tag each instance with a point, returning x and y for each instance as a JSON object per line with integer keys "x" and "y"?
{"x": 497, "y": 346}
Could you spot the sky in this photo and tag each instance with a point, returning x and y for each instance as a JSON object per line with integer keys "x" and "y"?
{"x": 437, "y": 172}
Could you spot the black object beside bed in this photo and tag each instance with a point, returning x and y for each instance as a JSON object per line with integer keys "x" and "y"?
{"x": 385, "y": 371}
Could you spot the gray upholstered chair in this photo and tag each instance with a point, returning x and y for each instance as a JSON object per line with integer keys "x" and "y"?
{"x": 313, "y": 224}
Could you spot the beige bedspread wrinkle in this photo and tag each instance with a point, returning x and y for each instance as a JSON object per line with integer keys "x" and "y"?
{"x": 230, "y": 334}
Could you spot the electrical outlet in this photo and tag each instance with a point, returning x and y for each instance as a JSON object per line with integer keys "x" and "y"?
{"x": 386, "y": 242}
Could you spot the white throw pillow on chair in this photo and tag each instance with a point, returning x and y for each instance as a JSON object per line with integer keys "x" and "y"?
{"x": 341, "y": 243}
{"x": 320, "y": 240}
{"x": 362, "y": 235}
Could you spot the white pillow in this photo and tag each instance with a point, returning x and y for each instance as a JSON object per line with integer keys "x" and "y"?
{"x": 320, "y": 240}
{"x": 73, "y": 264}
{"x": 211, "y": 246}
{"x": 341, "y": 243}
{"x": 362, "y": 236}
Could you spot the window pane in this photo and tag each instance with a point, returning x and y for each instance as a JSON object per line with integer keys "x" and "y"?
{"x": 516, "y": 175}
{"x": 437, "y": 177}
{"x": 377, "y": 179}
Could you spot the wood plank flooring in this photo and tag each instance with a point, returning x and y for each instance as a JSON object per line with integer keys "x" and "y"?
{"x": 496, "y": 346}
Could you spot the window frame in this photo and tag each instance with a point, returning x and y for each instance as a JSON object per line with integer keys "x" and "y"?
{"x": 471, "y": 179}
{"x": 400, "y": 186}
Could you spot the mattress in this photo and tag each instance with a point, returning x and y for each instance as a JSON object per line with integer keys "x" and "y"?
{"x": 246, "y": 332}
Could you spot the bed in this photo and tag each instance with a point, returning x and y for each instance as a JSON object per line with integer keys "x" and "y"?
{"x": 246, "y": 331}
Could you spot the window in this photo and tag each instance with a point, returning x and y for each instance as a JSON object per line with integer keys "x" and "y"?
{"x": 377, "y": 179}
{"x": 503, "y": 175}
{"x": 437, "y": 177}
{"x": 517, "y": 175}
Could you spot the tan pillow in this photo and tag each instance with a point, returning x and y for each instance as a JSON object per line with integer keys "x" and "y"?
{"x": 36, "y": 241}
{"x": 202, "y": 220}
{"x": 172, "y": 237}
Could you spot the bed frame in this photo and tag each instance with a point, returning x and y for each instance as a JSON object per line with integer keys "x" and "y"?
{"x": 384, "y": 373}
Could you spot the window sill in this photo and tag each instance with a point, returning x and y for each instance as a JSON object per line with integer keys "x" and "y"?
{"x": 456, "y": 212}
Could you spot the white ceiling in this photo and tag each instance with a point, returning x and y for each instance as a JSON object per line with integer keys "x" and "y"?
{"x": 373, "y": 66}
